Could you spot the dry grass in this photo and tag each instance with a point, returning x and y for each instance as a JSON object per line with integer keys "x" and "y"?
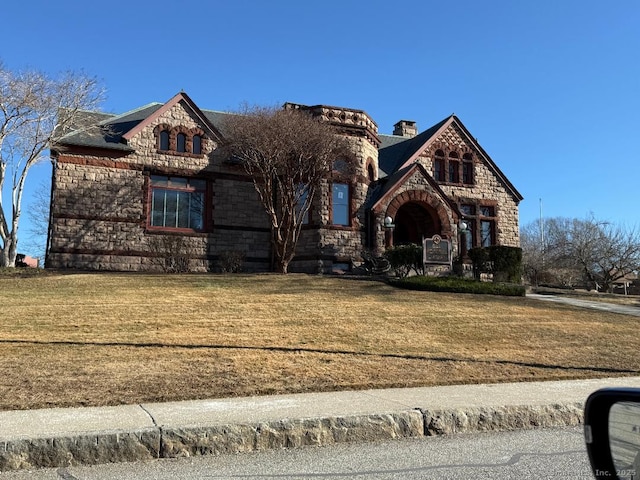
{"x": 97, "y": 339}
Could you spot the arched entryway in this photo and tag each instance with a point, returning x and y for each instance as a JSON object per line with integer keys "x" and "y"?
{"x": 415, "y": 214}
{"x": 413, "y": 222}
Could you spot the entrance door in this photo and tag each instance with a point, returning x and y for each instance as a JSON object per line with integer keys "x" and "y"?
{"x": 413, "y": 222}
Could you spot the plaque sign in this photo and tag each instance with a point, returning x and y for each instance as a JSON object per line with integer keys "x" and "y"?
{"x": 436, "y": 250}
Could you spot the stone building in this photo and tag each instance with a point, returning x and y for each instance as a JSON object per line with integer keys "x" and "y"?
{"x": 126, "y": 188}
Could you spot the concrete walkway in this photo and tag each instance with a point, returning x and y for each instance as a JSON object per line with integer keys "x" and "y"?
{"x": 593, "y": 305}
{"x": 63, "y": 437}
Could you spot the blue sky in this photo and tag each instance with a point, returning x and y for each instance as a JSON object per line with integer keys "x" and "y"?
{"x": 550, "y": 88}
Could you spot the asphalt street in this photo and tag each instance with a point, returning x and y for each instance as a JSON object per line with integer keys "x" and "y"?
{"x": 556, "y": 453}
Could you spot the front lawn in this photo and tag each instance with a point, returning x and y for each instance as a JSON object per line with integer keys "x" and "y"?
{"x": 104, "y": 339}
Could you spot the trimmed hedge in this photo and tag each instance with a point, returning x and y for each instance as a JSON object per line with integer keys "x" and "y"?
{"x": 504, "y": 262}
{"x": 459, "y": 285}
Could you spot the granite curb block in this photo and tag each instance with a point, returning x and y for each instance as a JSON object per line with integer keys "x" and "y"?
{"x": 170, "y": 442}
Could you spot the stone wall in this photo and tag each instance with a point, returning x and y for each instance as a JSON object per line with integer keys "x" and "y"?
{"x": 101, "y": 208}
{"x": 487, "y": 187}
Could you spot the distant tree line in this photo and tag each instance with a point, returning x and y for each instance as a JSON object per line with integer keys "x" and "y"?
{"x": 572, "y": 252}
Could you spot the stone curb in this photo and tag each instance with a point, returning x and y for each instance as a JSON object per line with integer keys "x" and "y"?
{"x": 171, "y": 442}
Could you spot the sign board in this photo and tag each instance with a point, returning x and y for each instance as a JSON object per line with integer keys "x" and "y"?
{"x": 436, "y": 250}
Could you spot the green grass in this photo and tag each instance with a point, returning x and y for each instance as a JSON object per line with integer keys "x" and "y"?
{"x": 459, "y": 285}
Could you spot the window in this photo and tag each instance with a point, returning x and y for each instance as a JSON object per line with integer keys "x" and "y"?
{"x": 468, "y": 212}
{"x": 467, "y": 169}
{"x": 453, "y": 171}
{"x": 439, "y": 169}
{"x": 177, "y": 203}
{"x": 181, "y": 143}
{"x": 370, "y": 173}
{"x": 340, "y": 203}
{"x": 486, "y": 233}
{"x": 484, "y": 217}
{"x": 487, "y": 226}
{"x": 164, "y": 140}
{"x": 196, "y": 145}
{"x": 439, "y": 166}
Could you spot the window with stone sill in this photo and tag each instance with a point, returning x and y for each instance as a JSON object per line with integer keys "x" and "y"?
{"x": 481, "y": 224}
{"x": 177, "y": 203}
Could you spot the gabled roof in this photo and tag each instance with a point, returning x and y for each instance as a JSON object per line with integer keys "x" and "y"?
{"x": 182, "y": 96}
{"x": 397, "y": 155}
{"x": 387, "y": 186}
{"x": 112, "y": 132}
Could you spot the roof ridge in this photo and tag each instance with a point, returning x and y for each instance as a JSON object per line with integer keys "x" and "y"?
{"x": 130, "y": 112}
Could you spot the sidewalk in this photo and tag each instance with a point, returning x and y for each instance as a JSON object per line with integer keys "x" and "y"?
{"x": 63, "y": 437}
{"x": 591, "y": 304}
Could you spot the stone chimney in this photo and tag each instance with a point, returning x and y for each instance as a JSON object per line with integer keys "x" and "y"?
{"x": 405, "y": 128}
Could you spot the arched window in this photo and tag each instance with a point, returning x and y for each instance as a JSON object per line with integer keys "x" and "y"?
{"x": 196, "y": 145}
{"x": 181, "y": 142}
{"x": 164, "y": 140}
{"x": 370, "y": 173}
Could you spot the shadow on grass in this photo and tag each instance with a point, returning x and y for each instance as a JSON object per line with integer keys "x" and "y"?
{"x": 543, "y": 366}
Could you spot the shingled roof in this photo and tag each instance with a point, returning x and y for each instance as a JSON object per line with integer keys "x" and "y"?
{"x": 396, "y": 153}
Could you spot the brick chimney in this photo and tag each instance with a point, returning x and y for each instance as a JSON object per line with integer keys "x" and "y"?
{"x": 405, "y": 128}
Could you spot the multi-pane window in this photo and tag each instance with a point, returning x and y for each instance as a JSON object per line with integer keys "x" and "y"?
{"x": 481, "y": 225}
{"x": 451, "y": 169}
{"x": 469, "y": 211}
{"x": 179, "y": 139}
{"x": 177, "y": 203}
{"x": 487, "y": 226}
{"x": 340, "y": 204}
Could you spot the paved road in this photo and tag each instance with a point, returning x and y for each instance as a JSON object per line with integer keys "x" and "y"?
{"x": 606, "y": 307}
{"x": 532, "y": 454}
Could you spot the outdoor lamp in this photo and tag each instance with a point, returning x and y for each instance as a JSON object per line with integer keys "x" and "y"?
{"x": 388, "y": 222}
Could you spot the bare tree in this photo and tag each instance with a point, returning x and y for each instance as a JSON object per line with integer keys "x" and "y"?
{"x": 588, "y": 251}
{"x": 38, "y": 214}
{"x": 287, "y": 153}
{"x": 35, "y": 109}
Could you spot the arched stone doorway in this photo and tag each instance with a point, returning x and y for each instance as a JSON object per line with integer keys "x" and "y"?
{"x": 416, "y": 213}
{"x": 413, "y": 222}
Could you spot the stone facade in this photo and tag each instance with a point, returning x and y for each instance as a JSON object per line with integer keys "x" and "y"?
{"x": 106, "y": 196}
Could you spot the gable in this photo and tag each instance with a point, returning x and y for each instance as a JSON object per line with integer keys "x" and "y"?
{"x": 409, "y": 178}
{"x": 178, "y": 113}
{"x": 448, "y": 135}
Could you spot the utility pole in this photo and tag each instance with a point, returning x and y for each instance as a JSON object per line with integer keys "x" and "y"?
{"x": 542, "y": 233}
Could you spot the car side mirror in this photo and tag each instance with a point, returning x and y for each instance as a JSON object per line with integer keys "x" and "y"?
{"x": 612, "y": 433}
